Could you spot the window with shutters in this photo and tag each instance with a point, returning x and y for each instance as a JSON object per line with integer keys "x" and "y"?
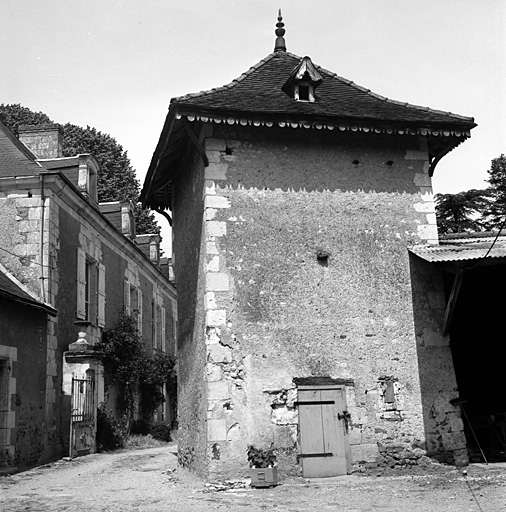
{"x": 90, "y": 289}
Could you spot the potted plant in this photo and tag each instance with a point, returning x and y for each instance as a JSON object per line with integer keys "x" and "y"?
{"x": 263, "y": 471}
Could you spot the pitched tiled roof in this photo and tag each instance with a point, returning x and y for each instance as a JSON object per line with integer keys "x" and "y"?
{"x": 259, "y": 91}
{"x": 257, "y": 98}
{"x": 15, "y": 158}
{"x": 464, "y": 246}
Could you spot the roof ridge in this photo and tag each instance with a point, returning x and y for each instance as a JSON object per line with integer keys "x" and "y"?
{"x": 19, "y": 145}
{"x": 388, "y": 100}
{"x": 237, "y": 80}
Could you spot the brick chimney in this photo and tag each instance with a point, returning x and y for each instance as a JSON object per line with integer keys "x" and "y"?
{"x": 45, "y": 140}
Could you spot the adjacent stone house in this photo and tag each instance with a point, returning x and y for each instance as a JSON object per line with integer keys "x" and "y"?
{"x": 305, "y": 323}
{"x": 83, "y": 260}
{"x": 23, "y": 328}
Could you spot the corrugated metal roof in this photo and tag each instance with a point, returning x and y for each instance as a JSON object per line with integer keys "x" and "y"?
{"x": 468, "y": 246}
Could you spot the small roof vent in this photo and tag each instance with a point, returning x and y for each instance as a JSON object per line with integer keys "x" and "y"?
{"x": 303, "y": 81}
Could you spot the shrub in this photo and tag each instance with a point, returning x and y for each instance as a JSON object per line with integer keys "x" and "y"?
{"x": 160, "y": 431}
{"x": 140, "y": 427}
{"x": 110, "y": 434}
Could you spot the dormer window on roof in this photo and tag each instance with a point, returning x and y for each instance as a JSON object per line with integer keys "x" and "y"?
{"x": 303, "y": 81}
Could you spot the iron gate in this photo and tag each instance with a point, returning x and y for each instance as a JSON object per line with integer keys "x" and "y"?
{"x": 83, "y": 415}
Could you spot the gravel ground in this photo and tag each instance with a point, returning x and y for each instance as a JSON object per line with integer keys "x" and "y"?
{"x": 149, "y": 480}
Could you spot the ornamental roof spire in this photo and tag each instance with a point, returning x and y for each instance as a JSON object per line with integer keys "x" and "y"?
{"x": 280, "y": 45}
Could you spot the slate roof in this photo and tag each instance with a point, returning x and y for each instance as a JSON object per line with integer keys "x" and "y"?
{"x": 464, "y": 246}
{"x": 15, "y": 158}
{"x": 259, "y": 91}
{"x": 257, "y": 98}
{"x": 12, "y": 290}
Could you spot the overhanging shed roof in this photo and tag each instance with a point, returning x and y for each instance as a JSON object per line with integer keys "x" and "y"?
{"x": 11, "y": 289}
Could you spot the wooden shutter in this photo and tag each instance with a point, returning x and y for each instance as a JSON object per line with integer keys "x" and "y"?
{"x": 101, "y": 296}
{"x": 323, "y": 446}
{"x": 163, "y": 330}
{"x": 139, "y": 314}
{"x": 81, "y": 284}
{"x": 126, "y": 300}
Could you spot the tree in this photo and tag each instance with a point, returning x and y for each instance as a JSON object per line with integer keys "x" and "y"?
{"x": 495, "y": 214}
{"x": 116, "y": 181}
{"x": 462, "y": 212}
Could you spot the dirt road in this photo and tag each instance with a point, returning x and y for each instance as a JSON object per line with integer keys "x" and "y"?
{"x": 148, "y": 480}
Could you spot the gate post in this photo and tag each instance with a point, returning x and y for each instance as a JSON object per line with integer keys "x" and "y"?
{"x": 82, "y": 391}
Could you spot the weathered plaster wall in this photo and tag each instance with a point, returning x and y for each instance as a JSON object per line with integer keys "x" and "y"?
{"x": 444, "y": 430}
{"x": 189, "y": 249}
{"x": 275, "y": 200}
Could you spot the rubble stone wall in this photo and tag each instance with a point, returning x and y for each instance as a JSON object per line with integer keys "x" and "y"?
{"x": 444, "y": 429}
{"x": 307, "y": 274}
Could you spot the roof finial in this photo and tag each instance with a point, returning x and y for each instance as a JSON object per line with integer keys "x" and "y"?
{"x": 280, "y": 45}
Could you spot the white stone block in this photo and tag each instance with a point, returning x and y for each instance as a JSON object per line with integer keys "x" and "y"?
{"x": 218, "y": 390}
{"x": 210, "y": 300}
{"x": 431, "y": 218}
{"x": 216, "y": 171}
{"x": 214, "y": 157}
{"x": 216, "y": 282}
{"x": 427, "y": 207}
{"x": 214, "y": 264}
{"x": 216, "y": 430}
{"x": 216, "y": 317}
{"x": 213, "y": 335}
{"x": 211, "y": 248}
{"x": 34, "y": 213}
{"x": 427, "y": 231}
{"x": 216, "y": 201}
{"x": 216, "y": 228}
{"x": 209, "y": 213}
{"x": 218, "y": 353}
{"x": 209, "y": 188}
{"x": 214, "y": 372}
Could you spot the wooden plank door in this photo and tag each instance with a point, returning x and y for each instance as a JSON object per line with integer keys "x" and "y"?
{"x": 323, "y": 439}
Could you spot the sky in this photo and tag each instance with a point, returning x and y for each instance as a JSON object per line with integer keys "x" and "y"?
{"x": 115, "y": 64}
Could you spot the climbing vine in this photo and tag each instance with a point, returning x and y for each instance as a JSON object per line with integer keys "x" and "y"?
{"x": 134, "y": 373}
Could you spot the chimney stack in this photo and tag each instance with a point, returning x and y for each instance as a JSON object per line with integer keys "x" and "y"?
{"x": 45, "y": 140}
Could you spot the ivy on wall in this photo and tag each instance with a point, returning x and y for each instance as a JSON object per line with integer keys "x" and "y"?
{"x": 129, "y": 369}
